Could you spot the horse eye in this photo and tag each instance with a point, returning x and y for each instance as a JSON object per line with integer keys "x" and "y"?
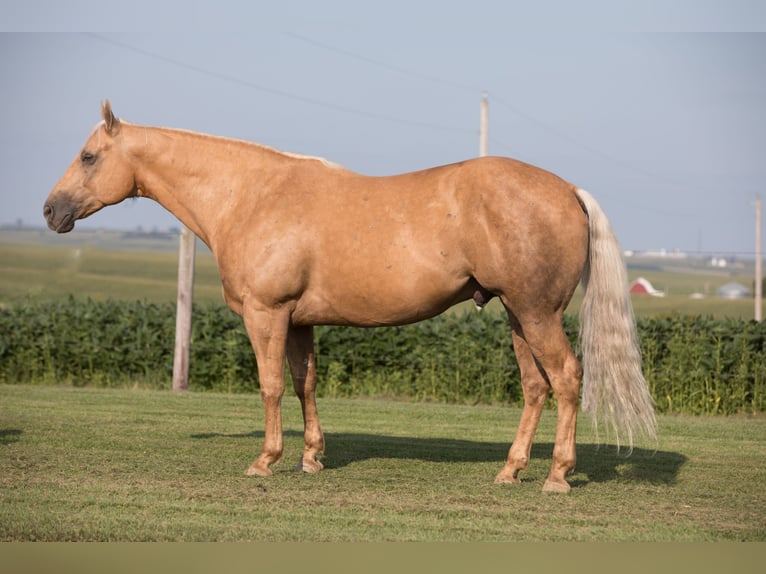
{"x": 88, "y": 158}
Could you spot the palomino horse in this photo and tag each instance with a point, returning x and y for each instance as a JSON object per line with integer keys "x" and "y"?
{"x": 302, "y": 242}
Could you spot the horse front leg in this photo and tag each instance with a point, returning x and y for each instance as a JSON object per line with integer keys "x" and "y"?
{"x": 302, "y": 361}
{"x": 267, "y": 330}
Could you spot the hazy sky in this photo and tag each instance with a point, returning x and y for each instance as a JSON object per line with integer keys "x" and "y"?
{"x": 666, "y": 128}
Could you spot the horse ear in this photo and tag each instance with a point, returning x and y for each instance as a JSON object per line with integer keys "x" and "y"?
{"x": 111, "y": 123}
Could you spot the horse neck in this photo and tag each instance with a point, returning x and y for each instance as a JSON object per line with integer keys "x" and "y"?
{"x": 191, "y": 174}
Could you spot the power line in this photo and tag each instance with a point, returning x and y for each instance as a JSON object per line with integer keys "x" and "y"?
{"x": 590, "y": 149}
{"x": 276, "y": 91}
{"x": 385, "y": 65}
{"x": 495, "y": 99}
{"x": 374, "y": 115}
{"x": 387, "y": 118}
{"x": 622, "y": 164}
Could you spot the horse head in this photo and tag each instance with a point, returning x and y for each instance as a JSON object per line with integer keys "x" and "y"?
{"x": 101, "y": 175}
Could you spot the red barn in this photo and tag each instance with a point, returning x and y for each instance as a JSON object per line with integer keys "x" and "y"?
{"x": 642, "y": 286}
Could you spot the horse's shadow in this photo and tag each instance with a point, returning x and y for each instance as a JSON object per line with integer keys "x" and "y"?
{"x": 599, "y": 463}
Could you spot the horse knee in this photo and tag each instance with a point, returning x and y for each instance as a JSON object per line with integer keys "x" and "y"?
{"x": 535, "y": 389}
{"x": 271, "y": 399}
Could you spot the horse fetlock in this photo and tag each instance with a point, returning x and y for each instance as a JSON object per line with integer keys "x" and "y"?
{"x": 314, "y": 443}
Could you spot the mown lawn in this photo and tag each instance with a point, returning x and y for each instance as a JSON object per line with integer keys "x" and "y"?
{"x": 127, "y": 465}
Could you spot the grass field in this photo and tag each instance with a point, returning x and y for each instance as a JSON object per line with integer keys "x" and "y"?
{"x": 103, "y": 265}
{"x": 52, "y": 271}
{"x": 122, "y": 465}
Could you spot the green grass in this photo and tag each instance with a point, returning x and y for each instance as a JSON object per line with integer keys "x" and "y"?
{"x": 50, "y": 272}
{"x": 121, "y": 465}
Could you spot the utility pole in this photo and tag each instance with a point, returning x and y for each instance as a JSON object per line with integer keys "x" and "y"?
{"x": 184, "y": 310}
{"x": 484, "y": 126}
{"x": 758, "y": 261}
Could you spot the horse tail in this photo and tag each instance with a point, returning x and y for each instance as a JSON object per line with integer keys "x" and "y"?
{"x": 614, "y": 388}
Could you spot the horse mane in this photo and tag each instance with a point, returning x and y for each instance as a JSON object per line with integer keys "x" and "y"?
{"x": 323, "y": 161}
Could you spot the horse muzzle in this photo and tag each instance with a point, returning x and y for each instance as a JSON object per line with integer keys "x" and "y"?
{"x": 60, "y": 215}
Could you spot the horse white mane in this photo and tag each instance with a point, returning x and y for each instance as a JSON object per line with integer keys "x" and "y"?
{"x": 323, "y": 161}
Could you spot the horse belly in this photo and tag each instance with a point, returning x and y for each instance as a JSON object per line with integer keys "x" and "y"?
{"x": 384, "y": 295}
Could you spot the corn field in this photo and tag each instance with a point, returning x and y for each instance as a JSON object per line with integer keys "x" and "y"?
{"x": 693, "y": 364}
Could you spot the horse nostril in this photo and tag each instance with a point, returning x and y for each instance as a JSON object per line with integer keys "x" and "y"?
{"x": 47, "y": 211}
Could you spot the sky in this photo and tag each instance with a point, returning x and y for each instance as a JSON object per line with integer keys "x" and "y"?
{"x": 657, "y": 108}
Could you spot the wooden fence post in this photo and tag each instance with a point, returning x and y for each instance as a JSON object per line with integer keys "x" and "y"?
{"x": 184, "y": 310}
{"x": 758, "y": 313}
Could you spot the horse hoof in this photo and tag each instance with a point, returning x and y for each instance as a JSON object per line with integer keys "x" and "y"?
{"x": 556, "y": 486}
{"x": 499, "y": 480}
{"x": 310, "y": 466}
{"x": 256, "y": 470}
{"x": 507, "y": 477}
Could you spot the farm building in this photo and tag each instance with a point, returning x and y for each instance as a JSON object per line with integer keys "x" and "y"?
{"x": 642, "y": 286}
{"x": 733, "y": 290}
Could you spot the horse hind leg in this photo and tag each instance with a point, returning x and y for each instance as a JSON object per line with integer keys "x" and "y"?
{"x": 552, "y": 354}
{"x": 535, "y": 387}
{"x": 302, "y": 362}
{"x": 552, "y": 351}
